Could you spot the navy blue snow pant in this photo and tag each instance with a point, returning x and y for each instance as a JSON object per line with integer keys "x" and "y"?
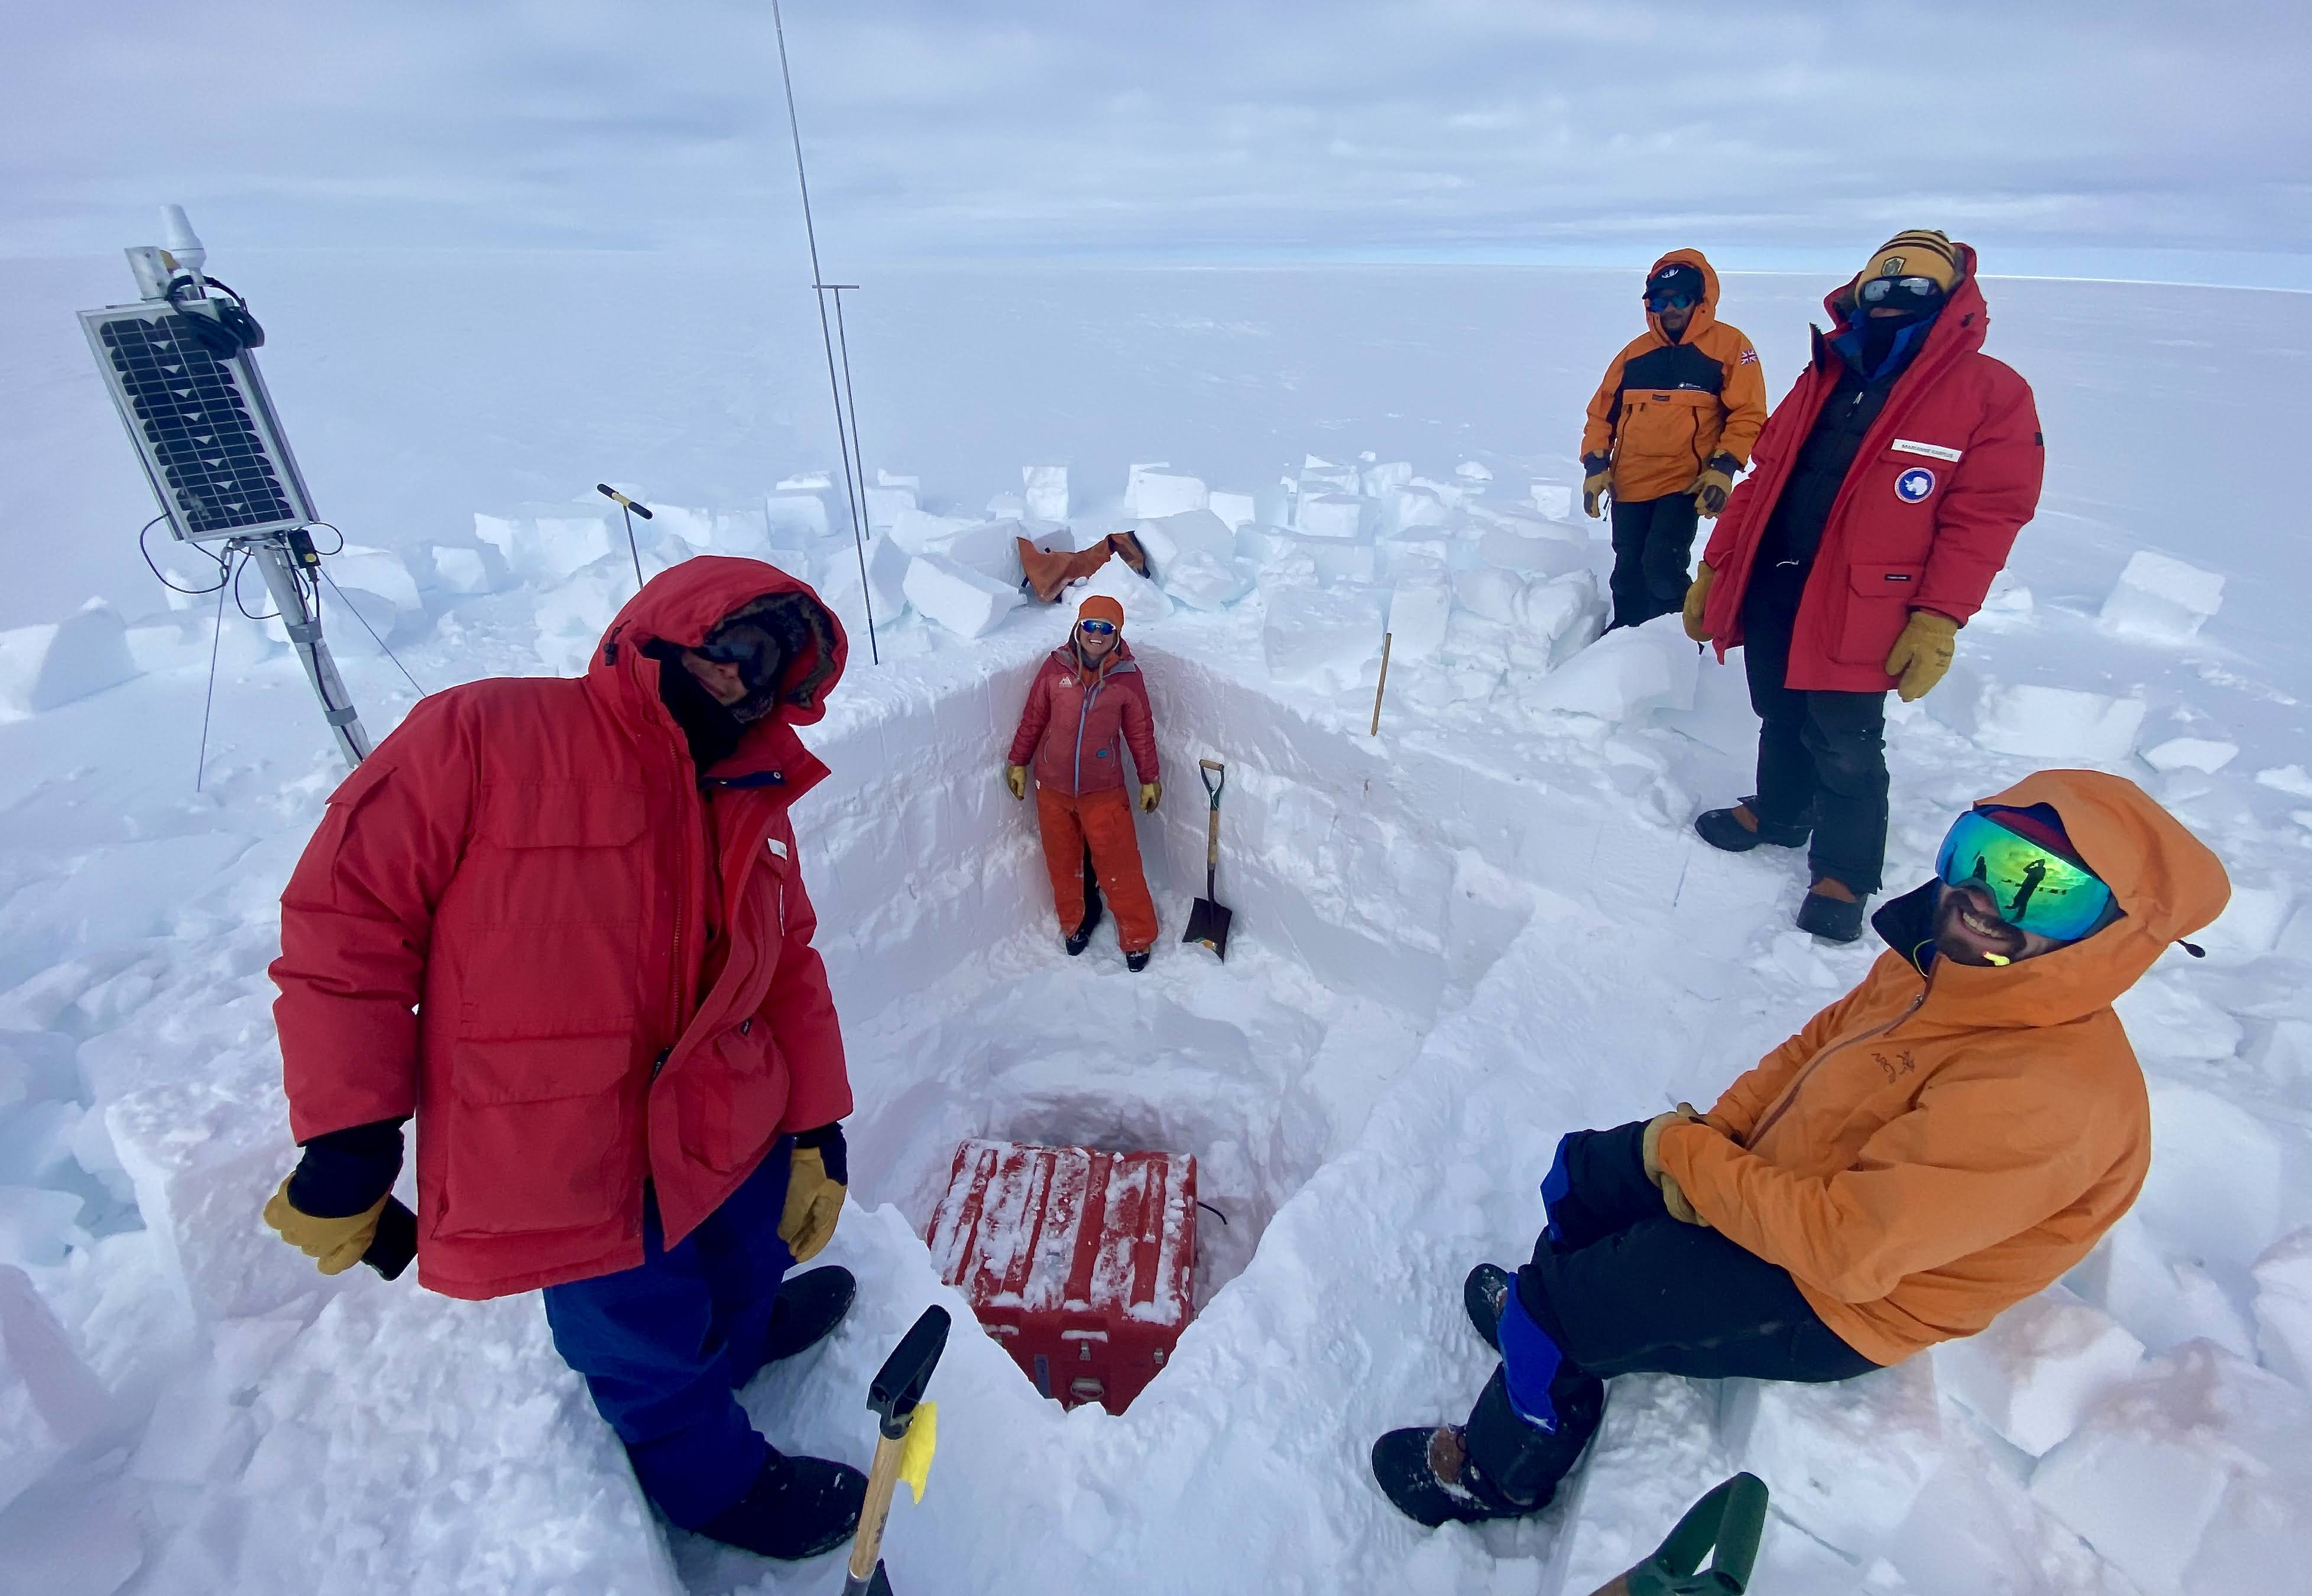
{"x": 664, "y": 1345}
{"x": 1619, "y": 1287}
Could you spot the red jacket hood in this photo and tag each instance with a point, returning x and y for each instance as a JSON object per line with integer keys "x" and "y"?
{"x": 682, "y": 605}
{"x": 1706, "y": 311}
{"x": 1960, "y": 325}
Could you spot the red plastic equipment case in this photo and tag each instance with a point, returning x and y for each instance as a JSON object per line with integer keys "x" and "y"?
{"x": 1079, "y": 1262}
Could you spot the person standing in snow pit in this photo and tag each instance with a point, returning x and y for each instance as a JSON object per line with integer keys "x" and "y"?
{"x": 1942, "y": 1142}
{"x": 563, "y": 923}
{"x": 1087, "y": 703}
{"x": 1892, "y": 480}
{"x": 1669, "y": 429}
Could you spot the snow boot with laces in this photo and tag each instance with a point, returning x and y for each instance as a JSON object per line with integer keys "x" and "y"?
{"x": 796, "y": 1508}
{"x": 1723, "y": 829}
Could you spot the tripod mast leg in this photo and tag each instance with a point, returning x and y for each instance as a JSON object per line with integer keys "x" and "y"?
{"x": 304, "y": 626}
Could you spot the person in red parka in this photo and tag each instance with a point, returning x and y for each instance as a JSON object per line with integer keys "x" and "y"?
{"x": 563, "y": 923}
{"x": 1885, "y": 492}
{"x": 1088, "y": 701}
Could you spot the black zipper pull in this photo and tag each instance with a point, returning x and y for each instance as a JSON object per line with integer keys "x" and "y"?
{"x": 659, "y": 1063}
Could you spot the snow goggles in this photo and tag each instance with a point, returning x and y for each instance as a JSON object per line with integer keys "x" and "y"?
{"x": 1921, "y": 290}
{"x": 1671, "y": 299}
{"x": 2035, "y": 888}
{"x": 759, "y": 656}
{"x": 1098, "y": 628}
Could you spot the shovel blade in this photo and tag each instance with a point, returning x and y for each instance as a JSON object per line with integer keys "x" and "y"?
{"x": 1208, "y": 924}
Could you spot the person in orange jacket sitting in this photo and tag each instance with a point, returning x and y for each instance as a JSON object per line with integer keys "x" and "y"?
{"x": 1087, "y": 703}
{"x": 1944, "y": 1141}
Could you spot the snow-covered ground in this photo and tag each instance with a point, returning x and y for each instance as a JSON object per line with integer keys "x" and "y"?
{"x": 1454, "y": 940}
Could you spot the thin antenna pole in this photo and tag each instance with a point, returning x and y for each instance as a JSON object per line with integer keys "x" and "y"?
{"x": 827, "y": 337}
{"x": 843, "y": 341}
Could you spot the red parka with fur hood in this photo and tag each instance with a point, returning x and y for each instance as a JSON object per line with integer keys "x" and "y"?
{"x": 502, "y": 925}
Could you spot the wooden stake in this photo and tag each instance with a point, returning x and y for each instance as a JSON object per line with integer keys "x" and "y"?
{"x": 1381, "y": 686}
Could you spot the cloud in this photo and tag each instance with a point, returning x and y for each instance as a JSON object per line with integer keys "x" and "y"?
{"x": 1199, "y": 130}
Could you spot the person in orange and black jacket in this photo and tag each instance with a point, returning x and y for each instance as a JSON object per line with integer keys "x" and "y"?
{"x": 1668, "y": 429}
{"x": 1088, "y": 704}
{"x": 1944, "y": 1141}
{"x": 1892, "y": 480}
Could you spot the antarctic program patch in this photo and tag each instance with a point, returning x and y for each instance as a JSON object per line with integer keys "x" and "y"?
{"x": 1914, "y": 485}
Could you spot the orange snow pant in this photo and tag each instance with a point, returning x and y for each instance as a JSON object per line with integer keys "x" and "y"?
{"x": 1101, "y": 821}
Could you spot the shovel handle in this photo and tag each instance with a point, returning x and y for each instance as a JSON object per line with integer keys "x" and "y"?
{"x": 1212, "y": 790}
{"x": 874, "y": 1512}
{"x": 1205, "y": 768}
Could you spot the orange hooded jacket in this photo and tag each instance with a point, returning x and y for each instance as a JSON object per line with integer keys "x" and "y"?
{"x": 1930, "y": 1150}
{"x": 1665, "y": 408}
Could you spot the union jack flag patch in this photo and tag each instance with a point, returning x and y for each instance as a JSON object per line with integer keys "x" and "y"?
{"x": 1750, "y": 357}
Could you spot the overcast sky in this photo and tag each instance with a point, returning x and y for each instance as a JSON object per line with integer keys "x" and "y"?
{"x": 2122, "y": 137}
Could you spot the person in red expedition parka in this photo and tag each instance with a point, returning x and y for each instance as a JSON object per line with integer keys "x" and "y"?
{"x": 1088, "y": 701}
{"x": 562, "y": 924}
{"x": 1885, "y": 492}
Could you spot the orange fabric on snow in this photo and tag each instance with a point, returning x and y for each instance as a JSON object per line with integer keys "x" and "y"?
{"x": 1928, "y": 1150}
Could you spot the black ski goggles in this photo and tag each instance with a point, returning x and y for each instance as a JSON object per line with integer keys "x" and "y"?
{"x": 1671, "y": 299}
{"x": 757, "y": 653}
{"x": 1914, "y": 290}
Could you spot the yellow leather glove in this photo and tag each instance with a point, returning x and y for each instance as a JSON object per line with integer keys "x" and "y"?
{"x": 1717, "y": 480}
{"x": 1650, "y": 1144}
{"x": 1150, "y": 792}
{"x": 1599, "y": 477}
{"x": 1696, "y": 596}
{"x": 1674, "y": 1200}
{"x": 1922, "y": 653}
{"x": 1015, "y": 777}
{"x": 334, "y": 1245}
{"x": 814, "y": 1203}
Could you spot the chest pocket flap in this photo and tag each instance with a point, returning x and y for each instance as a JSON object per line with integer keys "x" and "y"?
{"x": 562, "y": 814}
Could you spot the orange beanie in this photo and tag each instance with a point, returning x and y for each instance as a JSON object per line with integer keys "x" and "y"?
{"x": 1100, "y": 607}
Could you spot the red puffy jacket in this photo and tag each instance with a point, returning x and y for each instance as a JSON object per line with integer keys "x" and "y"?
{"x": 1943, "y": 481}
{"x": 1076, "y": 723}
{"x": 502, "y": 925}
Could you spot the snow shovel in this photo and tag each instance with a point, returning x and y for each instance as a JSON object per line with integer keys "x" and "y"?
{"x": 1208, "y": 920}
{"x": 897, "y": 1388}
{"x": 1723, "y": 1526}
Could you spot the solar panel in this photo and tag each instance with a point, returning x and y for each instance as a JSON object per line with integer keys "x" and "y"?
{"x": 205, "y": 427}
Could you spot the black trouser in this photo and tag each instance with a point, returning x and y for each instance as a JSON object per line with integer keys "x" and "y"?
{"x": 1822, "y": 756}
{"x": 1624, "y": 1289}
{"x": 1653, "y": 541}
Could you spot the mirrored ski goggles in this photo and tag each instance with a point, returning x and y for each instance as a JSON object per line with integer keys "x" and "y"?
{"x": 1098, "y": 628}
{"x": 754, "y": 650}
{"x": 1920, "y": 289}
{"x": 2036, "y": 890}
{"x": 1671, "y": 299}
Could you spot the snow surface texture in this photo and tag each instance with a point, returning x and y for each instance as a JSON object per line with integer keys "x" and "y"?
{"x": 1453, "y": 942}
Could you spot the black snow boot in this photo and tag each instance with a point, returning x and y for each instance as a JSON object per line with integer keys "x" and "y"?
{"x": 1081, "y": 938}
{"x": 797, "y": 1507}
{"x": 1485, "y": 1292}
{"x": 1833, "y": 918}
{"x": 1136, "y": 962}
{"x": 1428, "y": 1475}
{"x": 1721, "y": 829}
{"x": 808, "y": 1307}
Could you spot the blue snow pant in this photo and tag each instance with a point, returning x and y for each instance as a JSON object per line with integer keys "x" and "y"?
{"x": 664, "y": 1345}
